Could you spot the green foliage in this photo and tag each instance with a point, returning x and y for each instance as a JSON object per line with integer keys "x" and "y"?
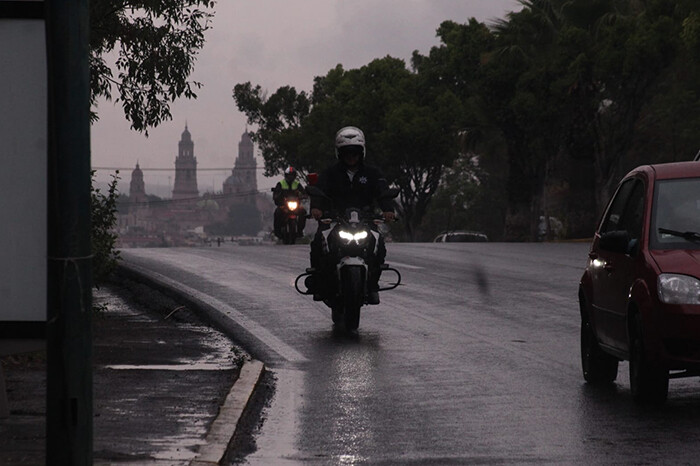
{"x": 279, "y": 120}
{"x": 103, "y": 220}
{"x": 156, "y": 43}
{"x": 557, "y": 100}
{"x": 410, "y": 130}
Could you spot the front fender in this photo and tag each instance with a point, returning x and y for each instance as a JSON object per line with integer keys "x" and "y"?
{"x": 352, "y": 278}
{"x": 641, "y": 301}
{"x": 349, "y": 261}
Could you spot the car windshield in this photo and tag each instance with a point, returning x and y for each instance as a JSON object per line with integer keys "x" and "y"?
{"x": 676, "y": 214}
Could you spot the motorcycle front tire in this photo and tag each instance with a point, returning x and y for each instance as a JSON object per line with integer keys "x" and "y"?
{"x": 290, "y": 233}
{"x": 352, "y": 296}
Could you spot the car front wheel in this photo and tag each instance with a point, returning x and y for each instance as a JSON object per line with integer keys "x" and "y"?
{"x": 598, "y": 366}
{"x": 649, "y": 384}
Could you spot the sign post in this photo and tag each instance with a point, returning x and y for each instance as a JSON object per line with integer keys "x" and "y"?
{"x": 69, "y": 252}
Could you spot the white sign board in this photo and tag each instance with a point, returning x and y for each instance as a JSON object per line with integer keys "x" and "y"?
{"x": 23, "y": 171}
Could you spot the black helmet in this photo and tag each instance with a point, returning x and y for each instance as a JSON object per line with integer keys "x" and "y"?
{"x": 290, "y": 174}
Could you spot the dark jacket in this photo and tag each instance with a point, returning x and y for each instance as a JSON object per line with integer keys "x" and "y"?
{"x": 363, "y": 191}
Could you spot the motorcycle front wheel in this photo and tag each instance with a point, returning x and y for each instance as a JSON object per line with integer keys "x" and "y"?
{"x": 290, "y": 234}
{"x": 352, "y": 296}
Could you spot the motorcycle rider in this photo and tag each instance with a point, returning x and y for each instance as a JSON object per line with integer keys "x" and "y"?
{"x": 348, "y": 183}
{"x": 288, "y": 186}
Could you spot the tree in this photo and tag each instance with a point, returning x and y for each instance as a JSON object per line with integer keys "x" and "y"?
{"x": 452, "y": 205}
{"x": 410, "y": 131}
{"x": 279, "y": 119}
{"x": 103, "y": 218}
{"x": 156, "y": 43}
{"x": 520, "y": 97}
{"x": 569, "y": 83}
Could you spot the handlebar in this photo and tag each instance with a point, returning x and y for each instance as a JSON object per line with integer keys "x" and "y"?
{"x": 329, "y": 217}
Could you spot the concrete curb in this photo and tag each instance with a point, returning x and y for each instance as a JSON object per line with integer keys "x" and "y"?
{"x": 224, "y": 426}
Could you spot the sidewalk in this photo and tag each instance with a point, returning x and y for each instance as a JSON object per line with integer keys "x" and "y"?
{"x": 167, "y": 389}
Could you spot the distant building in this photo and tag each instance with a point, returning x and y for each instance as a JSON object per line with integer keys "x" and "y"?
{"x": 243, "y": 180}
{"x": 185, "y": 169}
{"x": 187, "y": 217}
{"x": 137, "y": 188}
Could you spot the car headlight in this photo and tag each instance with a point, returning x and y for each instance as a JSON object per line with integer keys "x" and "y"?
{"x": 678, "y": 289}
{"x": 357, "y": 237}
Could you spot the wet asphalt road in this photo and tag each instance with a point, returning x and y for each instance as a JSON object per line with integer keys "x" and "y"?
{"x": 475, "y": 360}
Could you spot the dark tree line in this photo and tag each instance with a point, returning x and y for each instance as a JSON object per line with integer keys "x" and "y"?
{"x": 536, "y": 116}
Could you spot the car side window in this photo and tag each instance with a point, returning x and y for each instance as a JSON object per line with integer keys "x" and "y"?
{"x": 633, "y": 216}
{"x": 613, "y": 218}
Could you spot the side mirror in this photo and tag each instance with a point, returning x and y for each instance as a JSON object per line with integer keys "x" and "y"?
{"x": 312, "y": 178}
{"x": 617, "y": 241}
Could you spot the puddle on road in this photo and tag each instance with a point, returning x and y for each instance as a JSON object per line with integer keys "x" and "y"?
{"x": 187, "y": 425}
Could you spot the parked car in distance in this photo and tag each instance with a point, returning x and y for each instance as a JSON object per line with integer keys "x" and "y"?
{"x": 461, "y": 237}
{"x": 639, "y": 295}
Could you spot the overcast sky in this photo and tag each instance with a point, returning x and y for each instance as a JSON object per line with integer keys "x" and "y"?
{"x": 272, "y": 43}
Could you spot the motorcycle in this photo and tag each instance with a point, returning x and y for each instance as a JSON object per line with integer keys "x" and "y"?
{"x": 290, "y": 227}
{"x": 350, "y": 243}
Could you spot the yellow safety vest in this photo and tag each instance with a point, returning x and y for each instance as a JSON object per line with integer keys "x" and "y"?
{"x": 285, "y": 185}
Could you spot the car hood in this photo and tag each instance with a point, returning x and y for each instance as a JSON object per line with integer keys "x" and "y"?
{"x": 684, "y": 261}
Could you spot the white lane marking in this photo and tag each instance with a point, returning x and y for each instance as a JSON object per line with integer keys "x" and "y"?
{"x": 405, "y": 266}
{"x": 277, "y": 440}
{"x": 257, "y": 330}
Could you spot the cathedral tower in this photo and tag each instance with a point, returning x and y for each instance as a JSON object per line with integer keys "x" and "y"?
{"x": 185, "y": 169}
{"x": 243, "y": 179}
{"x": 137, "y": 189}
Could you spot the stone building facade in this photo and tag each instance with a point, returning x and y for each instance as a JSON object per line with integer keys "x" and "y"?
{"x": 188, "y": 218}
{"x": 185, "y": 169}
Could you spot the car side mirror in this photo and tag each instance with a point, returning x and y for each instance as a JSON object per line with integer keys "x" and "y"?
{"x": 618, "y": 241}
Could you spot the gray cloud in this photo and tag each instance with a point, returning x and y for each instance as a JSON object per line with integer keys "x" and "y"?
{"x": 274, "y": 43}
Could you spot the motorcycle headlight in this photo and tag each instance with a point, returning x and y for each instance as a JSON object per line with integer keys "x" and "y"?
{"x": 292, "y": 205}
{"x": 348, "y": 236}
{"x": 678, "y": 289}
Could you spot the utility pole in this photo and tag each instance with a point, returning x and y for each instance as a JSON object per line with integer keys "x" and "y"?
{"x": 68, "y": 330}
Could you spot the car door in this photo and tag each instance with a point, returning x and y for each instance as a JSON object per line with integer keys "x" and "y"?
{"x": 622, "y": 269}
{"x": 613, "y": 275}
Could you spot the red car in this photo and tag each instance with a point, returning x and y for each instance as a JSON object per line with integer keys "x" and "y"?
{"x": 640, "y": 293}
